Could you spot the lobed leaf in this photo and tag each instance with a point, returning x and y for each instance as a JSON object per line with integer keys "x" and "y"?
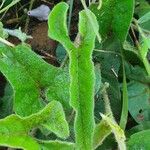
{"x": 18, "y": 136}
{"x": 31, "y": 78}
{"x": 81, "y": 71}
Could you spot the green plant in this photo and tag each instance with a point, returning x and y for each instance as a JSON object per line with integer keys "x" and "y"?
{"x": 42, "y": 97}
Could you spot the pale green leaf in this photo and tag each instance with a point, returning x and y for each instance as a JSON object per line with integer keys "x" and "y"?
{"x": 144, "y": 18}
{"x": 14, "y": 130}
{"x": 101, "y": 131}
{"x": 118, "y": 132}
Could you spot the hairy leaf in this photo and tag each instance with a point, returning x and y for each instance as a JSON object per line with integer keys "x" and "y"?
{"x": 17, "y": 135}
{"x": 118, "y": 132}
{"x": 57, "y": 145}
{"x": 31, "y": 78}
{"x": 81, "y": 71}
{"x": 101, "y": 131}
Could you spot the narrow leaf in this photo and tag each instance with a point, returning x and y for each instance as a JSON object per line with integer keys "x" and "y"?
{"x": 101, "y": 131}
{"x": 124, "y": 114}
{"x": 57, "y": 145}
{"x": 81, "y": 71}
{"x": 118, "y": 132}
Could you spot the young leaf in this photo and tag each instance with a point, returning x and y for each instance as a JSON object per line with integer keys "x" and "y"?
{"x": 18, "y": 33}
{"x": 17, "y": 135}
{"x": 3, "y": 34}
{"x": 81, "y": 71}
{"x": 101, "y": 131}
{"x": 118, "y": 132}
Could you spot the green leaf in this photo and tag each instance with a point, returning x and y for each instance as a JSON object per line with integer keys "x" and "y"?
{"x": 110, "y": 64}
{"x": 114, "y": 18}
{"x": 144, "y": 18}
{"x": 124, "y": 114}
{"x": 81, "y": 71}
{"x": 54, "y": 22}
{"x": 31, "y": 78}
{"x": 6, "y": 102}
{"x": 18, "y": 136}
{"x": 142, "y": 7}
{"x": 57, "y": 123}
{"x": 26, "y": 91}
{"x": 3, "y": 34}
{"x": 118, "y": 132}
{"x": 139, "y": 141}
{"x": 18, "y": 33}
{"x": 101, "y": 131}
{"x": 57, "y": 145}
{"x": 60, "y": 53}
{"x": 142, "y": 126}
{"x": 139, "y": 95}
{"x": 138, "y": 92}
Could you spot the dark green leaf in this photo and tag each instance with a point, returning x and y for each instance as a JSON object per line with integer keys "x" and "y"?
{"x": 139, "y": 141}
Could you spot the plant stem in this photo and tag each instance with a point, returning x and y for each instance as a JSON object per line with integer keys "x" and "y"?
{"x": 106, "y": 100}
{"x": 70, "y": 14}
{"x": 28, "y": 18}
{"x": 124, "y": 113}
{"x": 140, "y": 50}
{"x": 6, "y": 42}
